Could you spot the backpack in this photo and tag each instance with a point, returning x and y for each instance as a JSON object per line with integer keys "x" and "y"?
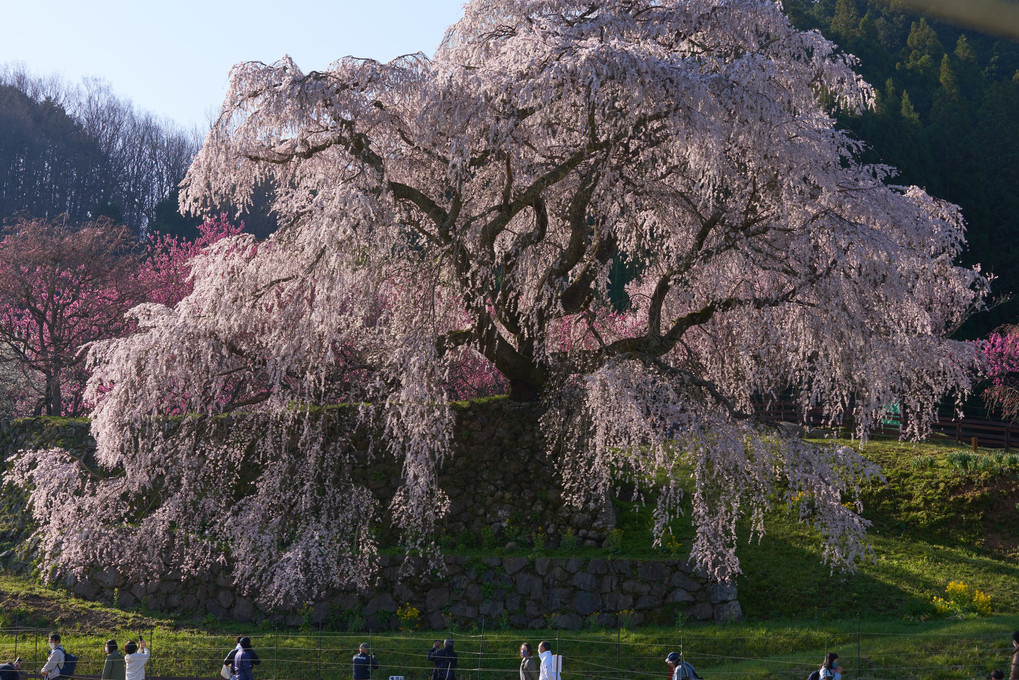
{"x": 686, "y": 671}
{"x": 816, "y": 675}
{"x": 70, "y": 664}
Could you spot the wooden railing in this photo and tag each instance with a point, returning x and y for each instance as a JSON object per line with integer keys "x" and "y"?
{"x": 972, "y": 431}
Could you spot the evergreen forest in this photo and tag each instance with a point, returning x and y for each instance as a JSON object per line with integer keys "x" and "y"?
{"x": 946, "y": 115}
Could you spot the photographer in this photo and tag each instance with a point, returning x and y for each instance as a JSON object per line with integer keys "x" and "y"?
{"x": 12, "y": 671}
{"x": 364, "y": 663}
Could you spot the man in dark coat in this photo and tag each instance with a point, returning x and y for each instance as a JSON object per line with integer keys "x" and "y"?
{"x": 364, "y": 663}
{"x": 444, "y": 659}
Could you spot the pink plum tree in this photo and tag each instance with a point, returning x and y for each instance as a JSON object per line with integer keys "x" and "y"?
{"x": 1001, "y": 365}
{"x": 476, "y": 202}
{"x": 64, "y": 287}
{"x": 165, "y": 272}
{"x": 61, "y": 288}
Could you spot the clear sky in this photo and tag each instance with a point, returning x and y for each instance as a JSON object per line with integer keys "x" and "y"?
{"x": 172, "y": 58}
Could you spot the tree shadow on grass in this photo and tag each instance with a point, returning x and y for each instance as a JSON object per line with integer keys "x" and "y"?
{"x": 783, "y": 577}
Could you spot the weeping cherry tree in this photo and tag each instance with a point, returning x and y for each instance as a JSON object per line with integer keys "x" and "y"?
{"x": 479, "y": 206}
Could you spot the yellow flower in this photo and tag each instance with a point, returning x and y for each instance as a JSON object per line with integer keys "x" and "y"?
{"x": 982, "y": 603}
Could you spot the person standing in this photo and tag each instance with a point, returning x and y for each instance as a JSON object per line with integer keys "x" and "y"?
{"x": 364, "y": 663}
{"x": 529, "y": 667}
{"x": 135, "y": 658}
{"x": 113, "y": 669}
{"x": 832, "y": 669}
{"x": 1014, "y": 673}
{"x": 549, "y": 669}
{"x": 243, "y": 642}
{"x": 444, "y": 659}
{"x": 243, "y": 661}
{"x": 55, "y": 662}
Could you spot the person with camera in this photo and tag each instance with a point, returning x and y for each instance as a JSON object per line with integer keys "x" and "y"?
{"x": 135, "y": 658}
{"x": 364, "y": 662}
{"x": 444, "y": 658}
{"x": 12, "y": 670}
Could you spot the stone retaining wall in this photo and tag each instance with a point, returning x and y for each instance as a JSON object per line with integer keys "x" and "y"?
{"x": 517, "y": 592}
{"x": 501, "y": 484}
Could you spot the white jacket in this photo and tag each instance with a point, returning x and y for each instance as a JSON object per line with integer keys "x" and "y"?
{"x": 134, "y": 664}
{"x": 549, "y": 665}
{"x": 53, "y": 664}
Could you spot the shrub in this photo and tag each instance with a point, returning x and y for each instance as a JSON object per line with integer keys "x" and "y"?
{"x": 614, "y": 541}
{"x": 961, "y": 600}
{"x": 410, "y": 617}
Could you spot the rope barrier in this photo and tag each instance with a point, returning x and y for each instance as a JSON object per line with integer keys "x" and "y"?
{"x": 297, "y": 655}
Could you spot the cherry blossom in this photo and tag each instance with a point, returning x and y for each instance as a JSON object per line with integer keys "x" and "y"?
{"x": 476, "y": 202}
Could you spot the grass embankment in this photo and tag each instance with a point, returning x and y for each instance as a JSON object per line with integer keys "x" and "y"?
{"x": 942, "y": 515}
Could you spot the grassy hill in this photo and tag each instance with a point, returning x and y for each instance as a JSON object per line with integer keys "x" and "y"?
{"x": 944, "y": 514}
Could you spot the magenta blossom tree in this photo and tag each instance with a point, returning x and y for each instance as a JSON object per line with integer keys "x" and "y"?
{"x": 165, "y": 272}
{"x": 1001, "y": 366}
{"x": 61, "y": 288}
{"x": 476, "y": 202}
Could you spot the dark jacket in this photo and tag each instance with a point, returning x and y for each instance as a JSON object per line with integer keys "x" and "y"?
{"x": 242, "y": 665}
{"x": 229, "y": 660}
{"x": 113, "y": 669}
{"x": 529, "y": 668}
{"x": 364, "y": 664}
{"x": 9, "y": 672}
{"x": 445, "y": 662}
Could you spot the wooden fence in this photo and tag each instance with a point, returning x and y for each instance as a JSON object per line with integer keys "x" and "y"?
{"x": 969, "y": 429}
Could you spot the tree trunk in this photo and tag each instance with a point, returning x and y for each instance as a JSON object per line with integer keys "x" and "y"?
{"x": 54, "y": 397}
{"x": 521, "y": 390}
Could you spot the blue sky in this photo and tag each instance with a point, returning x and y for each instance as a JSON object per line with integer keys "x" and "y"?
{"x": 172, "y": 58}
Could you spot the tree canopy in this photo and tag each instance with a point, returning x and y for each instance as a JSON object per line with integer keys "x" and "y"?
{"x": 477, "y": 204}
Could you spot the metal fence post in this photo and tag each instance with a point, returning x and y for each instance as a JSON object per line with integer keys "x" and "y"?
{"x": 481, "y": 648}
{"x": 858, "y": 647}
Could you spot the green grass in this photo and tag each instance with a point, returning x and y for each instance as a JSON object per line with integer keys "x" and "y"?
{"x": 888, "y": 649}
{"x": 933, "y": 522}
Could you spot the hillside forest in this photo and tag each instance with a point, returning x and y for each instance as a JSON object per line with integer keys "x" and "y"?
{"x": 946, "y": 115}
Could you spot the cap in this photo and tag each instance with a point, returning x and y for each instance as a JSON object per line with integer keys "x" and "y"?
{"x": 447, "y": 642}
{"x": 672, "y": 658}
{"x": 364, "y": 645}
